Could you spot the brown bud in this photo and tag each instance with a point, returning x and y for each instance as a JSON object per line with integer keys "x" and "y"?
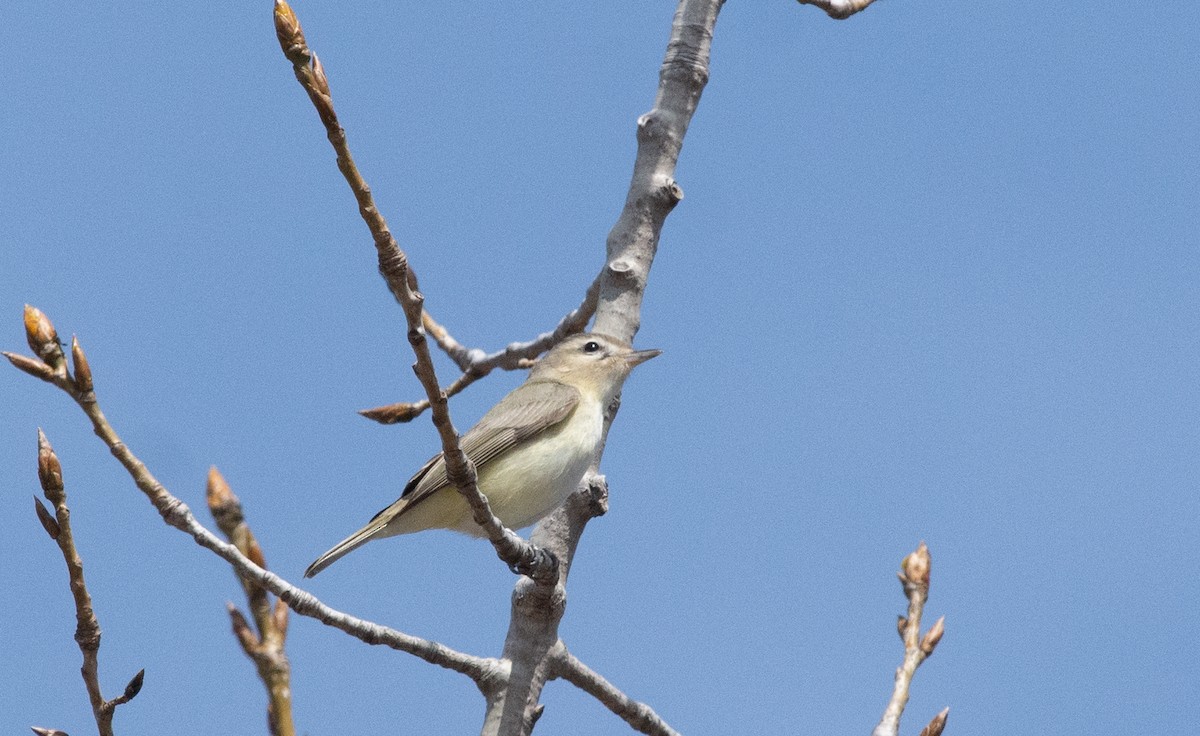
{"x": 83, "y": 371}
{"x": 289, "y": 33}
{"x": 241, "y": 629}
{"x": 915, "y": 567}
{"x": 49, "y": 523}
{"x": 254, "y": 552}
{"x": 222, "y": 503}
{"x": 49, "y": 469}
{"x": 135, "y": 685}
{"x": 930, "y": 641}
{"x": 937, "y": 725}
{"x": 280, "y": 616}
{"x": 320, "y": 81}
{"x": 35, "y": 368}
{"x": 43, "y": 338}
{"x": 901, "y": 625}
{"x": 396, "y": 413}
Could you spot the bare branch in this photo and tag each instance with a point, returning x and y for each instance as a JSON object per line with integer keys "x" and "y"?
{"x": 653, "y": 193}
{"x": 639, "y": 716}
{"x": 839, "y": 9}
{"x": 476, "y": 364}
{"x": 87, "y": 628}
{"x": 266, "y": 649}
{"x": 631, "y": 246}
{"x": 482, "y": 670}
{"x": 522, "y": 557}
{"x": 914, "y": 576}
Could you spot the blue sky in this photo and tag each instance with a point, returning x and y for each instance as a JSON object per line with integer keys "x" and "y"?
{"x": 935, "y": 277}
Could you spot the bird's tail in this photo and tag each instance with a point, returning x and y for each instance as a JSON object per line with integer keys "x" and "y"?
{"x": 350, "y": 543}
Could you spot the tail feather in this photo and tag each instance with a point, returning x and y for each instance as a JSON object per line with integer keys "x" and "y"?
{"x": 349, "y": 544}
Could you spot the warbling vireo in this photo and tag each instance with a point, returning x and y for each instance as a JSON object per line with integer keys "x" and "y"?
{"x": 530, "y": 451}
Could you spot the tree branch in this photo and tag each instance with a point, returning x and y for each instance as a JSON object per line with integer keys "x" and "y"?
{"x": 475, "y": 364}
{"x": 87, "y": 628}
{"x": 266, "y": 648}
{"x": 639, "y": 716}
{"x": 914, "y": 576}
{"x": 484, "y": 671}
{"x": 522, "y": 557}
{"x": 631, "y": 246}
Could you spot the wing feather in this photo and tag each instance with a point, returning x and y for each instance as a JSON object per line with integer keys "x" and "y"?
{"x": 526, "y": 412}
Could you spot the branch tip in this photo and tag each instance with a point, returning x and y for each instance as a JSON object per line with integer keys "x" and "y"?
{"x": 135, "y": 685}
{"x": 49, "y": 469}
{"x": 937, "y": 725}
{"x": 930, "y": 641}
{"x": 396, "y": 413}
{"x": 49, "y": 523}
{"x": 290, "y": 35}
{"x": 83, "y": 371}
{"x": 43, "y": 339}
{"x": 914, "y": 570}
{"x": 35, "y": 368}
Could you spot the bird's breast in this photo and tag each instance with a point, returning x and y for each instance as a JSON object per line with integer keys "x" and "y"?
{"x": 530, "y": 481}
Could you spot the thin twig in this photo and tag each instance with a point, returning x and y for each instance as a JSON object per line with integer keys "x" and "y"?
{"x": 476, "y": 364}
{"x": 266, "y": 648}
{"x": 914, "y": 576}
{"x": 87, "y": 627}
{"x": 639, "y": 716}
{"x": 522, "y": 557}
{"x": 483, "y": 671}
{"x": 839, "y": 9}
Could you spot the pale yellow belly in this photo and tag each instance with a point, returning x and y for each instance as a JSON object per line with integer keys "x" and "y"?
{"x": 522, "y": 486}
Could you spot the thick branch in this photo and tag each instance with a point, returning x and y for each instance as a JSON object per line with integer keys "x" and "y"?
{"x": 536, "y": 611}
{"x": 522, "y": 557}
{"x": 631, "y": 247}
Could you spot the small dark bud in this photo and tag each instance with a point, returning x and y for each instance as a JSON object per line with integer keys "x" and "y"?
{"x": 135, "y": 685}
{"x": 937, "y": 725}
{"x": 396, "y": 413}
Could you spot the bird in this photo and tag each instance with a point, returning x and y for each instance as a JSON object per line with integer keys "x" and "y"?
{"x": 530, "y": 451}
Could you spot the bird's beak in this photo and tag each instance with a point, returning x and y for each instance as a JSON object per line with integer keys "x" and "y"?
{"x": 637, "y": 357}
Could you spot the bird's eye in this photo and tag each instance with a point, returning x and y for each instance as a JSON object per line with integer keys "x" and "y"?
{"x": 591, "y": 346}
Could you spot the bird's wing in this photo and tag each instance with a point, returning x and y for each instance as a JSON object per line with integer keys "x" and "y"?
{"x": 526, "y": 412}
{"x": 531, "y": 409}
